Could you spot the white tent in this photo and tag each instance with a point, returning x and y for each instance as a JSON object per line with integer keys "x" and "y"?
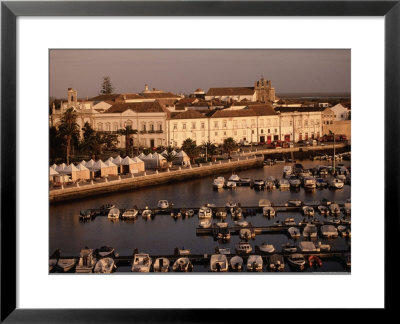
{"x": 54, "y": 166}
{"x": 84, "y": 172}
{"x": 52, "y": 173}
{"x": 107, "y": 168}
{"x": 132, "y": 165}
{"x": 155, "y": 161}
{"x": 83, "y": 162}
{"x": 117, "y": 160}
{"x": 90, "y": 164}
{"x": 109, "y": 159}
{"x": 182, "y": 158}
{"x": 72, "y": 170}
{"x": 142, "y": 156}
{"x": 61, "y": 167}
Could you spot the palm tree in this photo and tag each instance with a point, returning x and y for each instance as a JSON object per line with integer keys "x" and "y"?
{"x": 170, "y": 157}
{"x": 211, "y": 149}
{"x": 127, "y": 132}
{"x": 68, "y": 128}
{"x": 229, "y": 145}
{"x": 190, "y": 148}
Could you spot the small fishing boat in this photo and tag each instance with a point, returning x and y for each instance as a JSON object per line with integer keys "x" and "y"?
{"x": 105, "y": 265}
{"x": 210, "y": 205}
{"x": 313, "y": 260}
{"x": 346, "y": 221}
{"x": 267, "y": 248}
{"x": 113, "y": 213}
{"x": 219, "y": 182}
{"x": 205, "y": 223}
{"x": 222, "y": 250}
{"x": 264, "y": 203}
{"x": 321, "y": 183}
{"x": 289, "y": 248}
{"x": 205, "y": 212}
{"x": 308, "y": 211}
{"x": 306, "y": 246}
{"x": 108, "y": 206}
{"x": 176, "y": 213}
{"x": 243, "y": 247}
{"x": 105, "y": 251}
{"x": 287, "y": 170}
{"x": 246, "y": 181}
{"x": 146, "y": 213}
{"x": 234, "y": 177}
{"x": 270, "y": 183}
{"x": 289, "y": 221}
{"x": 333, "y": 221}
{"x": 309, "y": 183}
{"x": 323, "y": 210}
{"x": 161, "y": 265}
{"x": 241, "y": 223}
{"x": 85, "y": 214}
{"x": 297, "y": 261}
{"x": 66, "y": 265}
{"x": 245, "y": 234}
{"x": 269, "y": 211}
{"x": 258, "y": 184}
{"x": 294, "y": 182}
{"x": 130, "y": 214}
{"x": 222, "y": 224}
{"x": 294, "y": 203}
{"x": 163, "y": 204}
{"x": 87, "y": 261}
{"x": 324, "y": 247}
{"x": 336, "y": 183}
{"x": 237, "y": 212}
{"x": 276, "y": 263}
{"x": 254, "y": 263}
{"x": 221, "y": 212}
{"x": 329, "y": 231}
{"x": 223, "y": 234}
{"x": 141, "y": 263}
{"x": 182, "y": 265}
{"x": 310, "y": 231}
{"x": 231, "y": 184}
{"x": 183, "y": 251}
{"x": 294, "y": 232}
{"x": 230, "y": 204}
{"x": 334, "y": 209}
{"x": 284, "y": 184}
{"x": 187, "y": 212}
{"x": 236, "y": 263}
{"x": 218, "y": 263}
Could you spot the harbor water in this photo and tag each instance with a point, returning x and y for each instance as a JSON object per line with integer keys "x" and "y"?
{"x": 161, "y": 234}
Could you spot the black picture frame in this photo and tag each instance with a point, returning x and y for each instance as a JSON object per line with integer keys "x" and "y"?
{"x": 11, "y": 10}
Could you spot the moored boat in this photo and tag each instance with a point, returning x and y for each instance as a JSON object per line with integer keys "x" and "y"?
{"x": 52, "y": 264}
{"x": 294, "y": 203}
{"x": 105, "y": 265}
{"x": 289, "y": 221}
{"x": 163, "y": 204}
{"x": 86, "y": 262}
{"x": 276, "y": 263}
{"x": 182, "y": 265}
{"x": 258, "y": 184}
{"x": 243, "y": 247}
{"x": 308, "y": 211}
{"x": 105, "y": 251}
{"x": 241, "y": 223}
{"x": 130, "y": 214}
{"x": 284, "y": 184}
{"x": 297, "y": 261}
{"x": 236, "y": 263}
{"x": 314, "y": 260}
{"x": 334, "y": 209}
{"x": 323, "y": 210}
{"x": 218, "y": 263}
{"x": 245, "y": 234}
{"x": 141, "y": 263}
{"x": 205, "y": 212}
{"x": 324, "y": 247}
{"x": 310, "y": 231}
{"x": 254, "y": 263}
{"x": 221, "y": 212}
{"x": 309, "y": 183}
{"x": 113, "y": 213}
{"x": 65, "y": 265}
{"x": 336, "y": 183}
{"x": 219, "y": 182}
{"x": 329, "y": 231}
{"x": 146, "y": 213}
{"x": 267, "y": 248}
{"x": 294, "y": 232}
{"x": 289, "y": 248}
{"x": 205, "y": 223}
{"x": 269, "y": 211}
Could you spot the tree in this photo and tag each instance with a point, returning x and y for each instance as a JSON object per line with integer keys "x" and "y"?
{"x": 95, "y": 142}
{"x": 170, "y": 157}
{"x": 127, "y": 132}
{"x": 69, "y": 129}
{"x": 106, "y": 87}
{"x": 229, "y": 145}
{"x": 211, "y": 149}
{"x": 190, "y": 148}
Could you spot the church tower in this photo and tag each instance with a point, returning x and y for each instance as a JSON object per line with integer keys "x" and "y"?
{"x": 72, "y": 97}
{"x": 264, "y": 90}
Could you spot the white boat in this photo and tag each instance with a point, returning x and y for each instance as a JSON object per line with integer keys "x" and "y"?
{"x": 222, "y": 224}
{"x": 236, "y": 263}
{"x": 258, "y": 184}
{"x": 308, "y": 211}
{"x": 221, "y": 212}
{"x": 254, "y": 263}
{"x": 287, "y": 170}
{"x": 269, "y": 211}
{"x": 245, "y": 234}
{"x": 218, "y": 263}
{"x": 335, "y": 209}
{"x": 294, "y": 182}
{"x": 264, "y": 203}
{"x": 276, "y": 262}
{"x": 297, "y": 261}
{"x": 223, "y": 250}
{"x": 267, "y": 248}
{"x": 163, "y": 204}
{"x": 113, "y": 213}
{"x": 205, "y": 223}
{"x": 289, "y": 221}
{"x": 284, "y": 184}
{"x": 105, "y": 251}
{"x": 231, "y": 184}
{"x": 66, "y": 265}
{"x": 187, "y": 212}
{"x": 309, "y": 183}
{"x": 141, "y": 263}
{"x": 87, "y": 261}
{"x": 219, "y": 182}
{"x": 241, "y": 223}
{"x": 270, "y": 182}
{"x": 205, "y": 212}
{"x": 289, "y": 248}
{"x": 234, "y": 177}
{"x": 324, "y": 247}
{"x": 245, "y": 181}
{"x": 323, "y": 210}
{"x": 183, "y": 251}
{"x": 146, "y": 213}
{"x": 336, "y": 183}
{"x": 310, "y": 231}
{"x": 306, "y": 246}
{"x": 105, "y": 265}
{"x": 182, "y": 265}
{"x": 243, "y": 247}
{"x": 161, "y": 265}
{"x": 294, "y": 232}
{"x": 130, "y": 213}
{"x": 329, "y": 231}
{"x": 237, "y": 212}
{"x": 294, "y": 203}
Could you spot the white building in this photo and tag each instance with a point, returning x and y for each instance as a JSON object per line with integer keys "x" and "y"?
{"x": 341, "y": 112}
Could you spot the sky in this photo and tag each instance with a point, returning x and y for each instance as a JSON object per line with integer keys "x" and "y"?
{"x": 183, "y": 71}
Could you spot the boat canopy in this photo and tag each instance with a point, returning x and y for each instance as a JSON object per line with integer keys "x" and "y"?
{"x": 264, "y": 203}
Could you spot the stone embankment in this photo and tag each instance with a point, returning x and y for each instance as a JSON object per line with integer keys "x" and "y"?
{"x": 78, "y": 191}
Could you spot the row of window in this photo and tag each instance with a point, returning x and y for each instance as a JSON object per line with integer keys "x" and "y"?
{"x": 224, "y": 133}
{"x": 115, "y": 126}
{"x": 224, "y": 124}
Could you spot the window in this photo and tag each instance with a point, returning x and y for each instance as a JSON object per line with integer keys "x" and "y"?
{"x": 235, "y": 124}
{"x": 216, "y": 133}
{"x": 108, "y": 127}
{"x": 175, "y": 126}
{"x": 202, "y": 125}
{"x": 305, "y": 122}
{"x": 152, "y": 127}
{"x": 100, "y": 127}
{"x": 276, "y": 130}
{"x": 159, "y": 126}
{"x": 290, "y": 123}
{"x": 184, "y": 126}
{"x": 216, "y": 125}
{"x": 268, "y": 130}
{"x": 262, "y": 131}
{"x": 193, "y": 125}
{"x": 224, "y": 133}
{"x": 224, "y": 124}
{"x": 115, "y": 127}
{"x": 252, "y": 131}
{"x": 143, "y": 126}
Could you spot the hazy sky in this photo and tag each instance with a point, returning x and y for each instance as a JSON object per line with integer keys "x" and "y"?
{"x": 302, "y": 71}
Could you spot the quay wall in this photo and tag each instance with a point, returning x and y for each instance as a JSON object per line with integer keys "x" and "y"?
{"x": 294, "y": 149}
{"x": 77, "y": 192}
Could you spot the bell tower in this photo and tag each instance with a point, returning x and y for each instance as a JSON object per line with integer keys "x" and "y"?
{"x": 72, "y": 97}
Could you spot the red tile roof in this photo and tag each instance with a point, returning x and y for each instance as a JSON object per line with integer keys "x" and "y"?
{"x": 235, "y": 91}
{"x": 188, "y": 114}
{"x": 163, "y": 95}
{"x": 120, "y": 107}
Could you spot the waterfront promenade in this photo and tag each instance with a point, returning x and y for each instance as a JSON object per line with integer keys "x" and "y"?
{"x": 148, "y": 178}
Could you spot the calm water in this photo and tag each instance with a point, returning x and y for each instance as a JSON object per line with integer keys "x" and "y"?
{"x": 163, "y": 233}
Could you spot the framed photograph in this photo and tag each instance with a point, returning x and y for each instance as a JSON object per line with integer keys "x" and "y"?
{"x": 193, "y": 149}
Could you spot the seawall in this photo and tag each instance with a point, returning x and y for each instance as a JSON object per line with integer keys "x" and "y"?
{"x": 78, "y": 192}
